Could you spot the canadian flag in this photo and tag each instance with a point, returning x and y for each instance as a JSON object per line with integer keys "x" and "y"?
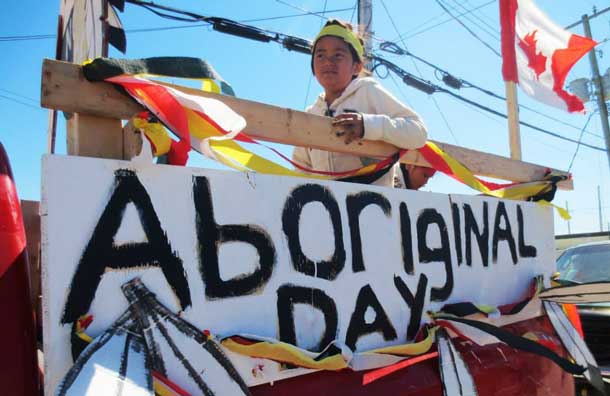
{"x": 537, "y": 54}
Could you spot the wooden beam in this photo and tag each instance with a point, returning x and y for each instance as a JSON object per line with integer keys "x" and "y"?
{"x": 88, "y": 135}
{"x": 265, "y": 122}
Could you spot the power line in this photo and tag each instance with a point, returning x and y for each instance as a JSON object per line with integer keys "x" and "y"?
{"x": 351, "y": 18}
{"x": 308, "y": 13}
{"x": 492, "y": 25}
{"x": 438, "y": 107}
{"x": 27, "y": 37}
{"x": 457, "y": 19}
{"x": 304, "y": 46}
{"x": 458, "y": 83}
{"x": 492, "y": 32}
{"x": 35, "y": 101}
{"x": 318, "y": 13}
{"x": 417, "y": 33}
{"x": 468, "y": 18}
{"x": 580, "y": 140}
{"x": 158, "y": 29}
{"x": 429, "y": 88}
{"x": 311, "y": 75}
{"x": 19, "y": 102}
{"x": 190, "y": 26}
{"x": 468, "y": 85}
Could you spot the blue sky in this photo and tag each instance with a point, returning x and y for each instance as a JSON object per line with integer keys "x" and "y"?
{"x": 267, "y": 73}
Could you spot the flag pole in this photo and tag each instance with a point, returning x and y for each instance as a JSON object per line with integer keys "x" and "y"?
{"x": 508, "y": 10}
{"x": 512, "y": 107}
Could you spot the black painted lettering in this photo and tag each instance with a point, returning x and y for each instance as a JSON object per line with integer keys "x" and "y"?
{"x": 455, "y": 213}
{"x": 101, "y": 254}
{"x": 355, "y": 204}
{"x": 524, "y": 249}
{"x": 406, "y": 239}
{"x": 291, "y": 216}
{"x": 441, "y": 254}
{"x": 503, "y": 234}
{"x": 211, "y": 235}
{"x": 288, "y": 296}
{"x": 358, "y": 326}
{"x": 414, "y": 302}
{"x": 482, "y": 237}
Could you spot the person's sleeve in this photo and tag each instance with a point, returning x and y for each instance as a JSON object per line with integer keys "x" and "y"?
{"x": 398, "y": 124}
{"x": 300, "y": 155}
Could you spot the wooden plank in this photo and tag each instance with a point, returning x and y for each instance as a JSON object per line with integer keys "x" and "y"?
{"x": 265, "y": 122}
{"x": 101, "y": 137}
{"x": 82, "y": 39}
{"x": 92, "y": 136}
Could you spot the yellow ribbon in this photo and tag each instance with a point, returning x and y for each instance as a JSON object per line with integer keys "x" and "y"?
{"x": 285, "y": 353}
{"x": 413, "y": 349}
{"x": 517, "y": 192}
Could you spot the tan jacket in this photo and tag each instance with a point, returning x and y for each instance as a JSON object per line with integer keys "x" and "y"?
{"x": 385, "y": 118}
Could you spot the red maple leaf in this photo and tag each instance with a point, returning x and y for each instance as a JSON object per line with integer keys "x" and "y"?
{"x": 537, "y": 61}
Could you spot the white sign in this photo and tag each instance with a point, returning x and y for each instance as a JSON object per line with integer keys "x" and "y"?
{"x": 306, "y": 262}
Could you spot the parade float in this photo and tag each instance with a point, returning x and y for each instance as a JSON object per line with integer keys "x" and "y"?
{"x": 170, "y": 280}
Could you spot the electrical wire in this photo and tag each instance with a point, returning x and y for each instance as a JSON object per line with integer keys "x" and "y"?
{"x": 407, "y": 77}
{"x": 430, "y": 88}
{"x": 308, "y": 13}
{"x": 311, "y": 75}
{"x": 394, "y": 48}
{"x": 457, "y": 19}
{"x": 52, "y": 36}
{"x": 318, "y": 14}
{"x": 493, "y": 31}
{"x": 35, "y": 101}
{"x": 438, "y": 107}
{"x": 351, "y": 18}
{"x": 19, "y": 102}
{"x": 166, "y": 15}
{"x": 27, "y": 37}
{"x": 190, "y": 26}
{"x": 417, "y": 33}
{"x": 471, "y": 21}
{"x": 580, "y": 140}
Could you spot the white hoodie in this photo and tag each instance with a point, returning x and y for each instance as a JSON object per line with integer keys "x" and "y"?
{"x": 385, "y": 118}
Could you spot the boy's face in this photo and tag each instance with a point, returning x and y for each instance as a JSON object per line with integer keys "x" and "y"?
{"x": 333, "y": 64}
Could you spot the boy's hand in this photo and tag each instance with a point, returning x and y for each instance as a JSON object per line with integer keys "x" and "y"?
{"x": 349, "y": 125}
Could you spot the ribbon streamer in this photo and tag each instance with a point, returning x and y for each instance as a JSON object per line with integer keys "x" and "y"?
{"x": 198, "y": 122}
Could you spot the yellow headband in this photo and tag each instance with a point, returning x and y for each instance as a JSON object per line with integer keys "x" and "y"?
{"x": 346, "y": 34}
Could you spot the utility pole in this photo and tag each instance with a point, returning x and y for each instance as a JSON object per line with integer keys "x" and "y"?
{"x": 599, "y": 88}
{"x": 365, "y": 26}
